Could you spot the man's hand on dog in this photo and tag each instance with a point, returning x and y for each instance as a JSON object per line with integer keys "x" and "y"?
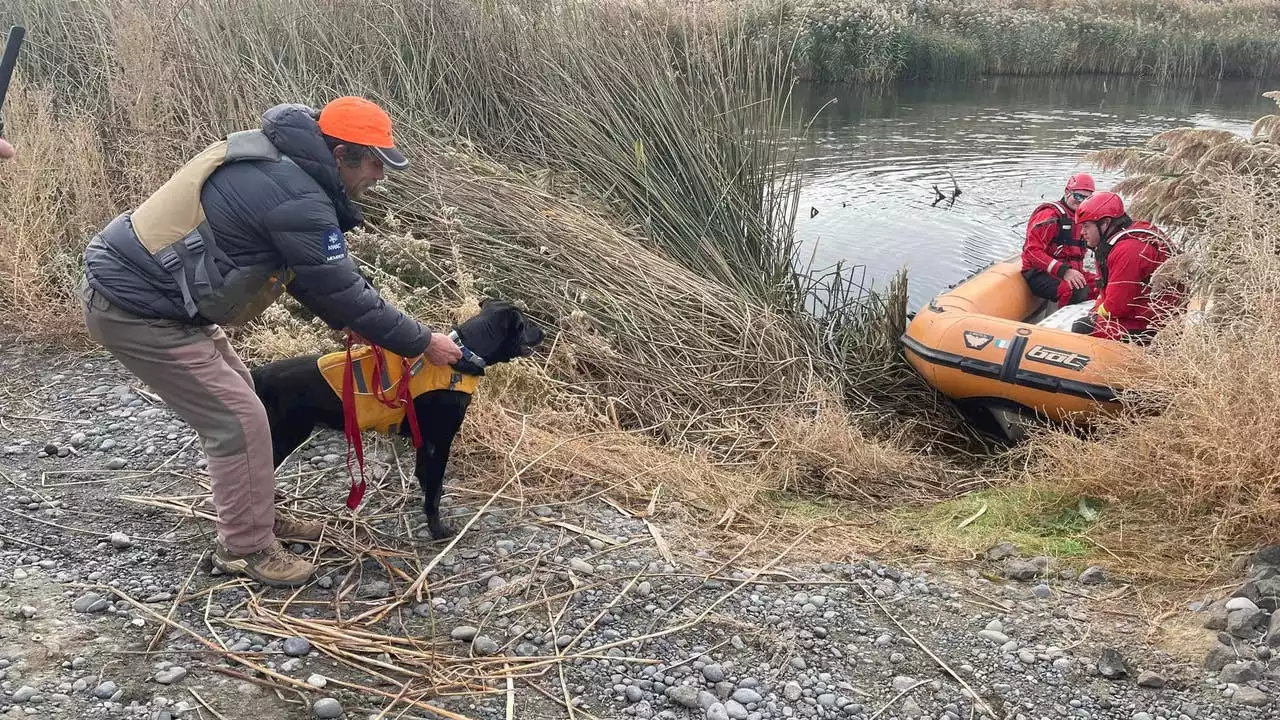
{"x": 442, "y": 350}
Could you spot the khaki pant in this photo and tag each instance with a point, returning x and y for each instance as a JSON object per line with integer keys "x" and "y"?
{"x": 197, "y": 373}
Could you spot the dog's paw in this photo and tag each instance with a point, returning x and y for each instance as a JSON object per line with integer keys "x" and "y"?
{"x": 439, "y": 530}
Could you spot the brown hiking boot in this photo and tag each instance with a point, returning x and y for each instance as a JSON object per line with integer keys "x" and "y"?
{"x": 273, "y": 566}
{"x": 288, "y": 528}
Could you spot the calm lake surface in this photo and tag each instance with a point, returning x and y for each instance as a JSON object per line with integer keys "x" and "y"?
{"x": 873, "y": 157}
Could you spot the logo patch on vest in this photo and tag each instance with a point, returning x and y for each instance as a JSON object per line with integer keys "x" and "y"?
{"x": 335, "y": 245}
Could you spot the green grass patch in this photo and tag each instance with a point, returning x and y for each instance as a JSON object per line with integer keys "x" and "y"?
{"x": 1038, "y": 520}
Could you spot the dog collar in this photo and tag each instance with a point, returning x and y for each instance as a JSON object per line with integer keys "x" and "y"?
{"x": 469, "y": 360}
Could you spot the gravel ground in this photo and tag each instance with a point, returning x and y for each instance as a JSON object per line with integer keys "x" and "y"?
{"x": 576, "y": 602}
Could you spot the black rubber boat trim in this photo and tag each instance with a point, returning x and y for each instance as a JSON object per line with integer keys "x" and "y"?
{"x": 1010, "y": 372}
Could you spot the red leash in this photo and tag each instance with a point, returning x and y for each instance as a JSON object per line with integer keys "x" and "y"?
{"x": 351, "y": 422}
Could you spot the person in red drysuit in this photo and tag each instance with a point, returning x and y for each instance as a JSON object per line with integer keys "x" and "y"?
{"x": 1128, "y": 253}
{"x": 1053, "y": 253}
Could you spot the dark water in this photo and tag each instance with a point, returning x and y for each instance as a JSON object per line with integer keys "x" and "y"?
{"x": 873, "y": 157}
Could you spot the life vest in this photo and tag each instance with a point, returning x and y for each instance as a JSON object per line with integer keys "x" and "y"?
{"x": 172, "y": 227}
{"x": 373, "y": 393}
{"x": 1103, "y": 251}
{"x": 1065, "y": 220}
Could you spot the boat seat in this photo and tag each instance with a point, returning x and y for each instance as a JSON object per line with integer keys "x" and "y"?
{"x": 1063, "y": 317}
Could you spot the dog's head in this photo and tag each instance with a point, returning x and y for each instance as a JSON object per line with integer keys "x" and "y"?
{"x": 499, "y": 332}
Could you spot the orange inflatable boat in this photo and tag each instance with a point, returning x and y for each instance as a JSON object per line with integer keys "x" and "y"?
{"x": 1000, "y": 352}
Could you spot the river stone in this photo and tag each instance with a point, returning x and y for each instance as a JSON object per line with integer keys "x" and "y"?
{"x": 105, "y": 690}
{"x": 464, "y": 633}
{"x": 1246, "y": 623}
{"x": 485, "y": 645}
{"x": 1272, "y": 638}
{"x": 994, "y": 636}
{"x": 1219, "y": 656}
{"x": 171, "y": 676}
{"x": 746, "y": 696}
{"x": 633, "y": 694}
{"x": 1242, "y": 672}
{"x": 1111, "y": 665}
{"x": 1149, "y": 679}
{"x": 1001, "y": 551}
{"x": 1021, "y": 570}
{"x": 24, "y": 694}
{"x": 1269, "y": 594}
{"x": 374, "y": 590}
{"x": 1217, "y": 616}
{"x": 297, "y": 647}
{"x": 1252, "y": 697}
{"x": 89, "y": 603}
{"x": 713, "y": 673}
{"x": 717, "y": 712}
{"x": 1241, "y": 603}
{"x": 902, "y": 683}
{"x": 1093, "y": 575}
{"x": 685, "y": 695}
{"x": 792, "y": 691}
{"x": 327, "y": 709}
{"x": 1268, "y": 556}
{"x": 735, "y": 710}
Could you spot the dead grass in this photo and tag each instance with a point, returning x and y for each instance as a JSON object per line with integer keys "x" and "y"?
{"x": 52, "y": 197}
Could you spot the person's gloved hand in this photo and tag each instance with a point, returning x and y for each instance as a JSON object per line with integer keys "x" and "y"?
{"x": 6, "y": 150}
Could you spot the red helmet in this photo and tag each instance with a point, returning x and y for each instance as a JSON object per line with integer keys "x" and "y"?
{"x": 1082, "y": 182}
{"x": 1100, "y": 206}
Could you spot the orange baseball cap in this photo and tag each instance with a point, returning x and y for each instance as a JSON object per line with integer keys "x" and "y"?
{"x": 361, "y": 122}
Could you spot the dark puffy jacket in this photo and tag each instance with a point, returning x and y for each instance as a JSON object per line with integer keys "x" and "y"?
{"x": 291, "y": 214}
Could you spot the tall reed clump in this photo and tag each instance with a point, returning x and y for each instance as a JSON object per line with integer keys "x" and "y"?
{"x": 1193, "y": 467}
{"x": 51, "y": 199}
{"x": 884, "y": 40}
{"x": 615, "y": 168}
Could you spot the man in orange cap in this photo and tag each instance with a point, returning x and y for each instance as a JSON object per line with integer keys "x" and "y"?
{"x": 259, "y": 213}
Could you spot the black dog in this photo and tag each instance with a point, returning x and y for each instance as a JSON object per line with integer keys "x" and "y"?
{"x": 297, "y": 398}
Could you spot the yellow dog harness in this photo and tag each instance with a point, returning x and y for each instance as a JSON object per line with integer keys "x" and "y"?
{"x": 371, "y": 412}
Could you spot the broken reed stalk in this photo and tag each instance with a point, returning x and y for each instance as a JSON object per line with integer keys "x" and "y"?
{"x": 898, "y": 697}
{"x": 977, "y": 699}
{"x": 280, "y": 679}
{"x": 177, "y": 600}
